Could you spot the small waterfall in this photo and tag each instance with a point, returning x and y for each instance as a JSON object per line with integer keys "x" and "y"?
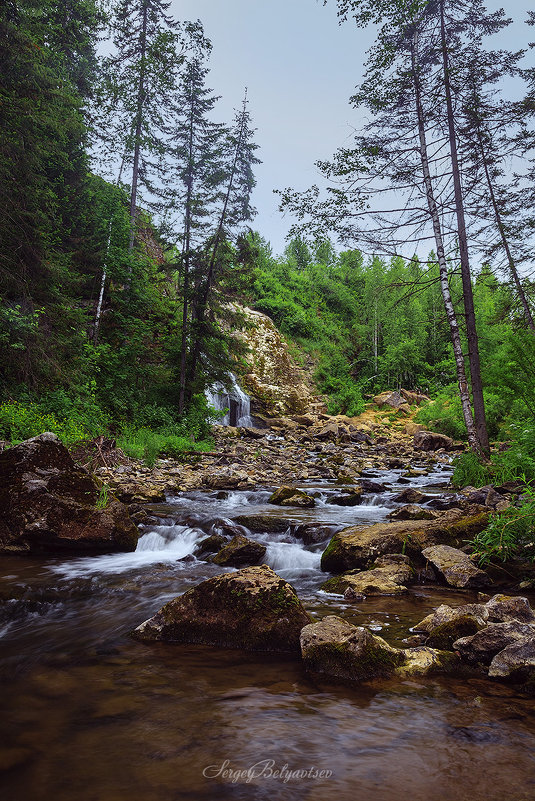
{"x": 235, "y": 400}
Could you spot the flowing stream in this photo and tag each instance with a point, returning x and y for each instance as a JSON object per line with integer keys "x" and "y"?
{"x": 92, "y": 715}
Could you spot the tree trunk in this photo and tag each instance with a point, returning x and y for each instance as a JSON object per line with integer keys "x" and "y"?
{"x": 442, "y": 264}
{"x": 468, "y": 298}
{"x": 98, "y": 312}
{"x": 137, "y": 132}
{"x": 503, "y": 234}
{"x": 186, "y": 262}
{"x": 200, "y": 307}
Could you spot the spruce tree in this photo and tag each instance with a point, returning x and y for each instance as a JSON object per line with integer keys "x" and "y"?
{"x": 415, "y": 86}
{"x": 235, "y": 209}
{"x": 195, "y": 175}
{"x": 140, "y": 79}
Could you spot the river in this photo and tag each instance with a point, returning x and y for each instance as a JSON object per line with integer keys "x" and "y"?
{"x": 90, "y": 714}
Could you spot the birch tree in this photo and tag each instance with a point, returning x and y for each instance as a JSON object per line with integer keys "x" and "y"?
{"x": 415, "y": 86}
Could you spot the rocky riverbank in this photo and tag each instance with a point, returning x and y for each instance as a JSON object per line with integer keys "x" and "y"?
{"x": 291, "y": 449}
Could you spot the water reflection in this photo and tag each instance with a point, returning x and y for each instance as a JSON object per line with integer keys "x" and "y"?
{"x": 90, "y": 714}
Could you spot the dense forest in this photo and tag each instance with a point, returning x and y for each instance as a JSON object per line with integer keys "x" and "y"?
{"x": 267, "y": 508}
{"x": 126, "y": 226}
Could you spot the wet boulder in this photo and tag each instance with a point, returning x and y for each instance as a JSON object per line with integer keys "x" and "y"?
{"x": 227, "y": 528}
{"x": 240, "y": 551}
{"x": 351, "y": 498}
{"x": 261, "y": 523}
{"x": 389, "y": 576}
{"x": 358, "y": 546}
{"x": 412, "y": 511}
{"x": 48, "y": 504}
{"x": 445, "y": 613}
{"x": 430, "y": 441}
{"x": 373, "y": 487}
{"x": 515, "y": 662}
{"x": 508, "y": 608}
{"x": 444, "y": 502}
{"x": 291, "y": 496}
{"x": 253, "y": 609}
{"x": 211, "y": 544}
{"x": 483, "y": 646}
{"x": 312, "y": 533}
{"x": 409, "y": 495}
{"x": 424, "y": 661}
{"x": 447, "y": 624}
{"x": 456, "y": 567}
{"x": 338, "y": 649}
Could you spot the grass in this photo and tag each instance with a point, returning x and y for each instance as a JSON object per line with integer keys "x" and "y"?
{"x": 103, "y": 497}
{"x": 147, "y": 445}
{"x": 21, "y": 421}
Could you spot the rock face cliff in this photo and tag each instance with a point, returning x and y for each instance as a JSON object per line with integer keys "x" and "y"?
{"x": 277, "y": 385}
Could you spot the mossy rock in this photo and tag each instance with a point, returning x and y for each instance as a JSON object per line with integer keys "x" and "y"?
{"x": 291, "y": 496}
{"x": 240, "y": 551}
{"x": 444, "y": 635}
{"x": 359, "y": 546}
{"x": 253, "y": 609}
{"x": 336, "y": 648}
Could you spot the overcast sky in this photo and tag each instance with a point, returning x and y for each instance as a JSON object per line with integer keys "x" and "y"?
{"x": 300, "y": 68}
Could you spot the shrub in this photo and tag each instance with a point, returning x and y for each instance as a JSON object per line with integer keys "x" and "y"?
{"x": 444, "y": 414}
{"x": 469, "y": 471}
{"x": 517, "y": 462}
{"x": 510, "y": 534}
{"x": 20, "y": 421}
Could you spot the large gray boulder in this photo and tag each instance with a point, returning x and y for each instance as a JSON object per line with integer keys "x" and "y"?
{"x": 483, "y": 646}
{"x": 456, "y": 567}
{"x": 447, "y": 624}
{"x": 506, "y": 608}
{"x": 253, "y": 609}
{"x": 359, "y": 546}
{"x": 516, "y": 661}
{"x": 48, "y": 504}
{"x": 429, "y": 441}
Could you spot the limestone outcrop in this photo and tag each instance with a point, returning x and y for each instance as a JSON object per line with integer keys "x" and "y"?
{"x": 273, "y": 379}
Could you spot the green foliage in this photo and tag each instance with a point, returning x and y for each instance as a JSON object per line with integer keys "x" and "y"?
{"x": 22, "y": 421}
{"x": 510, "y": 534}
{"x": 370, "y": 326}
{"x": 516, "y": 462}
{"x": 147, "y": 445}
{"x": 103, "y": 497}
{"x": 444, "y": 414}
{"x": 469, "y": 471}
